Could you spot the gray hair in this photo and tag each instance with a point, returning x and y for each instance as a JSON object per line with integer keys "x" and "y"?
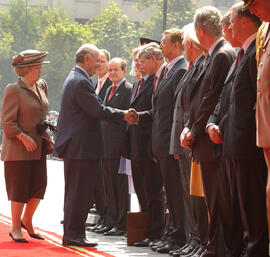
{"x": 208, "y": 18}
{"x": 227, "y": 18}
{"x": 86, "y": 49}
{"x": 106, "y": 53}
{"x": 151, "y": 49}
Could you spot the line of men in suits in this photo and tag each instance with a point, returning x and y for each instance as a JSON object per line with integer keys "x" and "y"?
{"x": 206, "y": 115}
{"x": 181, "y": 113}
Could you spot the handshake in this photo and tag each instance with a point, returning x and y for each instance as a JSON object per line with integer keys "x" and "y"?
{"x": 131, "y": 117}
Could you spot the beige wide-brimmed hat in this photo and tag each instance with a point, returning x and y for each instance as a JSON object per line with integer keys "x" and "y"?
{"x": 29, "y": 57}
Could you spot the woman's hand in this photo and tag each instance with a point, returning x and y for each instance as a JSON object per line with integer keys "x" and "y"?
{"x": 28, "y": 142}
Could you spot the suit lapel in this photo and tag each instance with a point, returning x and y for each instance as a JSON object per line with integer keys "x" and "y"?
{"x": 116, "y": 92}
{"x": 170, "y": 73}
{"x": 134, "y": 90}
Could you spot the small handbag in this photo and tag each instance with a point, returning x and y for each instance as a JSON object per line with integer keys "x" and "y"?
{"x": 196, "y": 185}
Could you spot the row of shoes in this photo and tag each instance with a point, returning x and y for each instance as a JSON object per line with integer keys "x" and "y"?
{"x": 191, "y": 249}
{"x": 106, "y": 230}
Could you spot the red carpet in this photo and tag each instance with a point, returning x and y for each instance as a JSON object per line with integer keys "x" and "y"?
{"x": 51, "y": 247}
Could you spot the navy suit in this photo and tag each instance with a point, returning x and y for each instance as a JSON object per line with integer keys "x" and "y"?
{"x": 162, "y": 113}
{"x": 79, "y": 142}
{"x": 115, "y": 184}
{"x": 248, "y": 160}
{"x": 146, "y": 173}
{"x": 203, "y": 99}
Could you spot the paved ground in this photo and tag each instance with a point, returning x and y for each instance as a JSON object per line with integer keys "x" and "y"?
{"x": 50, "y": 213}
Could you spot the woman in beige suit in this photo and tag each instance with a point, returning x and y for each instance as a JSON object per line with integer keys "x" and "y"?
{"x": 25, "y": 142}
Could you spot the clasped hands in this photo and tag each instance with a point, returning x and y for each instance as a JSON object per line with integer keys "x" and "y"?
{"x": 131, "y": 117}
{"x": 215, "y": 134}
{"x": 186, "y": 138}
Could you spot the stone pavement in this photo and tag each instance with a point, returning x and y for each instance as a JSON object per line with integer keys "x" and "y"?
{"x": 50, "y": 213}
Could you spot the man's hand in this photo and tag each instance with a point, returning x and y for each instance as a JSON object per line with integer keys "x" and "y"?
{"x": 131, "y": 117}
{"x": 215, "y": 134}
{"x": 186, "y": 138}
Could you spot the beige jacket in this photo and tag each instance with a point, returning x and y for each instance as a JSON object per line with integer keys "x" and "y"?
{"x": 21, "y": 111}
{"x": 263, "y": 92}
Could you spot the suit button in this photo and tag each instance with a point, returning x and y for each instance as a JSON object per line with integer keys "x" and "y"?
{"x": 259, "y": 94}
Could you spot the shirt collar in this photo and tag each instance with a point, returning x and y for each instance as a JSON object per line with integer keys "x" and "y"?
{"x": 160, "y": 69}
{"x": 249, "y": 41}
{"x": 213, "y": 46}
{"x": 174, "y": 61}
{"x": 117, "y": 85}
{"x": 103, "y": 79}
{"x": 84, "y": 71}
{"x": 145, "y": 77}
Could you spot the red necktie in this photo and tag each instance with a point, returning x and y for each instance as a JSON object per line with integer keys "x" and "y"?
{"x": 239, "y": 57}
{"x": 189, "y": 65}
{"x": 139, "y": 86}
{"x": 112, "y": 92}
{"x": 155, "y": 84}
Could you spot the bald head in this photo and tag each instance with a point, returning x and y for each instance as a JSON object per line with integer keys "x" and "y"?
{"x": 86, "y": 49}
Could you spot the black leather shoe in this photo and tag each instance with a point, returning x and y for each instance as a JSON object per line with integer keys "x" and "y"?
{"x": 199, "y": 251}
{"x": 155, "y": 243}
{"x": 96, "y": 227}
{"x": 114, "y": 232}
{"x": 79, "y": 242}
{"x": 154, "y": 247}
{"x": 143, "y": 243}
{"x": 186, "y": 252}
{"x": 172, "y": 252}
{"x": 168, "y": 247}
{"x": 103, "y": 230}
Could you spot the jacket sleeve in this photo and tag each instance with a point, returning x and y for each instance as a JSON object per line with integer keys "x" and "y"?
{"x": 91, "y": 104}
{"x": 10, "y": 108}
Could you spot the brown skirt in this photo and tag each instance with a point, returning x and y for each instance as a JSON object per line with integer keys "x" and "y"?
{"x": 26, "y": 179}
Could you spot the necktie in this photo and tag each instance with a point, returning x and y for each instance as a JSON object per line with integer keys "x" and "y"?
{"x": 112, "y": 92}
{"x": 189, "y": 65}
{"x": 165, "y": 72}
{"x": 155, "y": 83}
{"x": 99, "y": 86}
{"x": 239, "y": 57}
{"x": 139, "y": 86}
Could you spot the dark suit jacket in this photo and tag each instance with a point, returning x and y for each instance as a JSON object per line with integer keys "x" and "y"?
{"x": 240, "y": 133}
{"x": 138, "y": 137}
{"x": 79, "y": 133}
{"x": 104, "y": 88}
{"x": 162, "y": 109}
{"x": 113, "y": 133}
{"x": 181, "y": 107}
{"x": 219, "y": 116}
{"x": 205, "y": 97}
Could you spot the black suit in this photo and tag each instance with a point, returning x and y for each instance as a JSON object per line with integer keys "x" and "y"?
{"x": 204, "y": 98}
{"x": 99, "y": 194}
{"x": 115, "y": 184}
{"x": 162, "y": 113}
{"x": 248, "y": 160}
{"x": 146, "y": 173}
{"x": 228, "y": 204}
{"x": 196, "y": 210}
{"x": 104, "y": 88}
{"x": 79, "y": 142}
